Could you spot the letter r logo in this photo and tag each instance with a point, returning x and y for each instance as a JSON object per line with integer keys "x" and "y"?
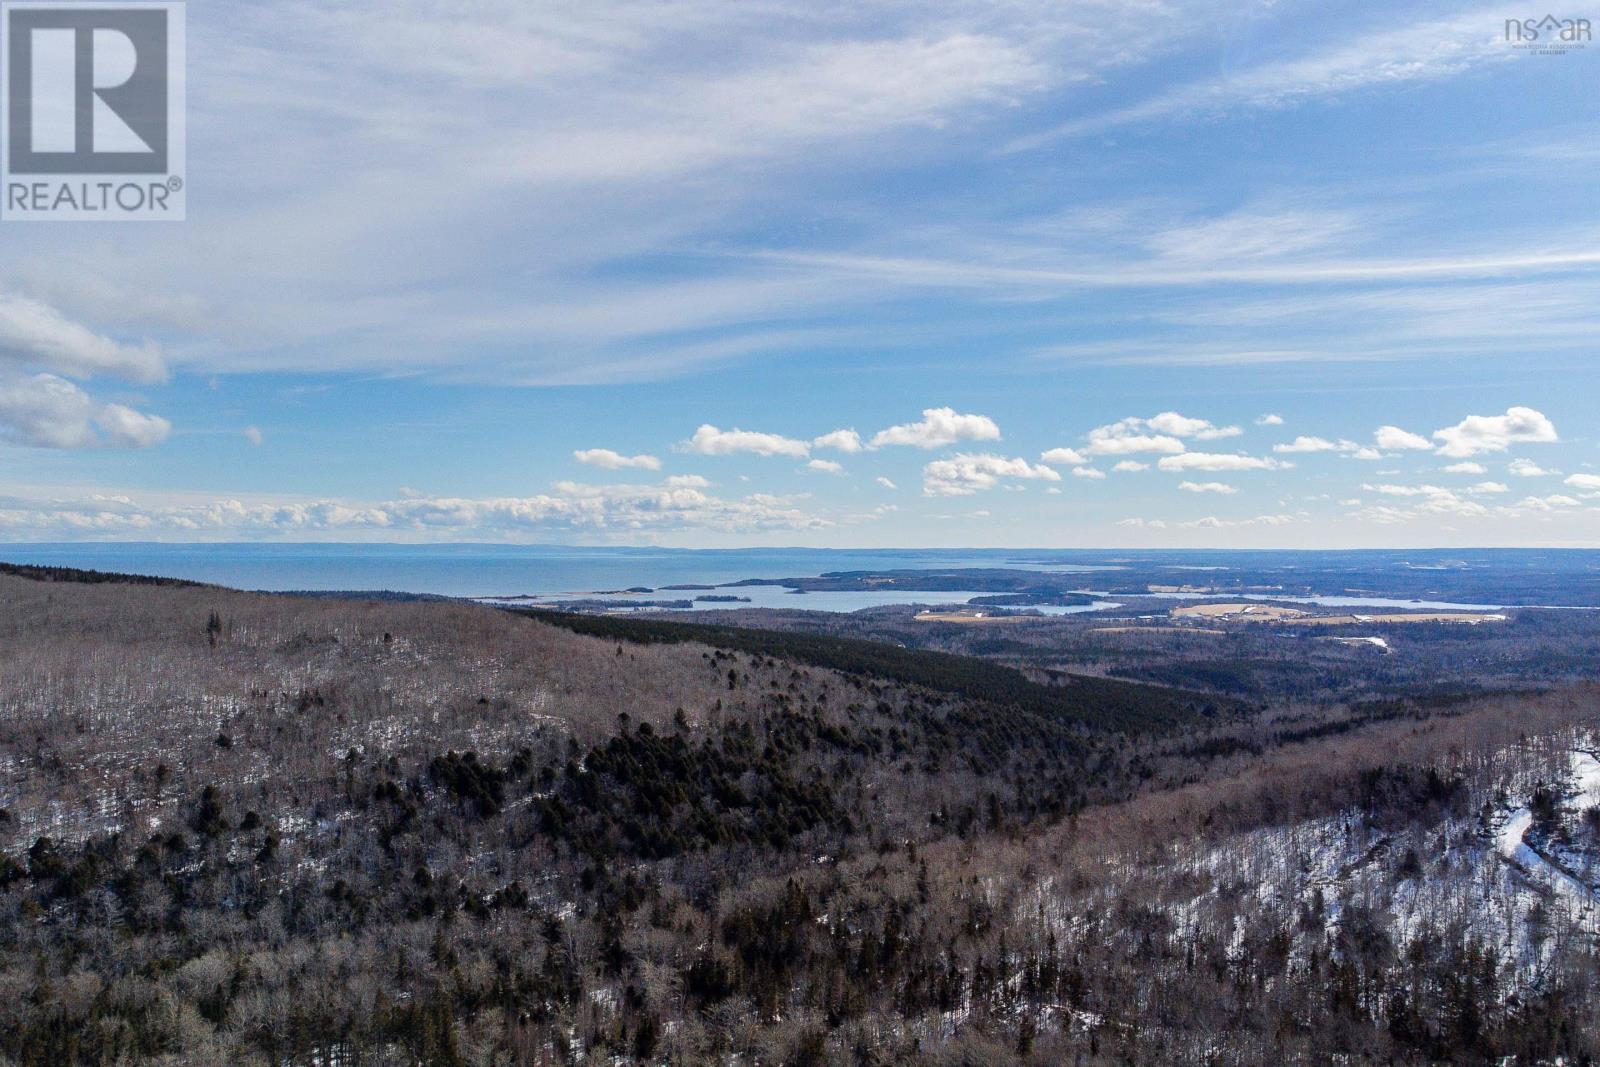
{"x": 87, "y": 90}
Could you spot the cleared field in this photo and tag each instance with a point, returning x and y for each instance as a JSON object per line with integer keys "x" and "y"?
{"x": 1471, "y": 618}
{"x": 976, "y": 618}
{"x": 1236, "y": 611}
{"x": 1374, "y": 642}
{"x": 1276, "y": 613}
{"x": 1156, "y": 630}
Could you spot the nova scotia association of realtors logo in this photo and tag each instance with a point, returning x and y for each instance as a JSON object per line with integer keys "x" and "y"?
{"x": 1548, "y": 35}
{"x": 92, "y": 98}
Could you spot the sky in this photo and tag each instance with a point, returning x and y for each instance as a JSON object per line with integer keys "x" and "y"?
{"x": 770, "y": 272}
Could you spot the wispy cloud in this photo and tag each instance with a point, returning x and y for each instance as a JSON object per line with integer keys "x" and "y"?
{"x": 1413, "y": 51}
{"x": 34, "y": 334}
{"x": 980, "y": 275}
{"x": 550, "y": 142}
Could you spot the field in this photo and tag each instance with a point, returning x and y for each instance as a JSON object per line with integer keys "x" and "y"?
{"x": 981, "y": 618}
{"x": 1250, "y": 612}
{"x": 1155, "y": 629}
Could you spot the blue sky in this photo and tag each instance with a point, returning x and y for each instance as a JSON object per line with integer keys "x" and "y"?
{"x": 449, "y": 270}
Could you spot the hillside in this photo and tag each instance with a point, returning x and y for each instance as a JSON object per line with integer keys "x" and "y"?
{"x": 1082, "y": 699}
{"x": 267, "y": 829}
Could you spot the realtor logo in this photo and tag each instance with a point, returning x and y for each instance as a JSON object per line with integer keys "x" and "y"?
{"x": 93, "y": 102}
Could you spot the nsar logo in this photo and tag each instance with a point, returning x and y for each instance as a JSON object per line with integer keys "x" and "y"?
{"x": 1548, "y": 36}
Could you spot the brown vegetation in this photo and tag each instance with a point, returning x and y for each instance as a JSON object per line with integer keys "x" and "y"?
{"x": 284, "y": 831}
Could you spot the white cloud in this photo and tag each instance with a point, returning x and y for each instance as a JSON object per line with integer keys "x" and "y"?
{"x": 606, "y": 459}
{"x": 254, "y": 435}
{"x": 1128, "y": 436}
{"x": 886, "y": 483}
{"x": 1217, "y": 461}
{"x": 1161, "y": 433}
{"x": 1467, "y": 468}
{"x": 1211, "y": 522}
{"x": 710, "y": 441}
{"x": 688, "y": 481}
{"x": 36, "y": 335}
{"x": 1395, "y": 439}
{"x": 1494, "y": 433}
{"x": 1149, "y": 524}
{"x": 1434, "y": 501}
{"x": 1527, "y": 468}
{"x": 966, "y": 474}
{"x": 1130, "y": 465}
{"x": 839, "y": 441}
{"x": 825, "y": 466}
{"x": 1124, "y": 444}
{"x": 46, "y": 411}
{"x": 132, "y": 429}
{"x": 1064, "y": 457}
{"x": 939, "y": 427}
{"x": 1088, "y": 472}
{"x": 1207, "y": 487}
{"x": 1407, "y": 490}
{"x": 1270, "y": 420}
{"x": 1307, "y": 444}
{"x": 1553, "y": 502}
{"x": 624, "y": 509}
{"x": 1582, "y": 481}
{"x": 1170, "y": 422}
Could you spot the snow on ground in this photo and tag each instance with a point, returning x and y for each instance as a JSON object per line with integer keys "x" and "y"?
{"x": 1551, "y": 864}
{"x": 1510, "y": 838}
{"x": 1474, "y": 877}
{"x": 1586, "y": 778}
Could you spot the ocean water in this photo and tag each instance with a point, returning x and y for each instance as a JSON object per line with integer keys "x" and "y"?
{"x": 776, "y": 596}
{"x": 514, "y": 570}
{"x": 1490, "y": 579}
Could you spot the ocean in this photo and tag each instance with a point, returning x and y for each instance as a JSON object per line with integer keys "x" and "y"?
{"x": 500, "y": 570}
{"x": 1443, "y": 579}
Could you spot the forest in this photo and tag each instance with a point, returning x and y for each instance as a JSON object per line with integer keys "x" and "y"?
{"x": 1256, "y": 664}
{"x": 281, "y": 830}
{"x": 1090, "y": 700}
